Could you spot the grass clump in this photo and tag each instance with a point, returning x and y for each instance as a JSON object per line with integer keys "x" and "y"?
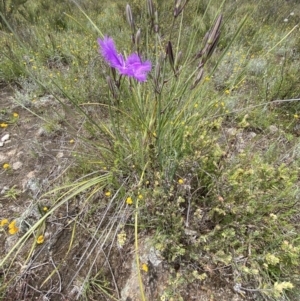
{"x": 189, "y": 157}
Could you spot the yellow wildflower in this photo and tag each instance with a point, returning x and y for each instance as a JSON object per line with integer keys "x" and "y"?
{"x": 40, "y": 239}
{"x": 3, "y": 125}
{"x": 4, "y": 222}
{"x": 6, "y": 166}
{"x": 180, "y": 181}
{"x": 140, "y": 196}
{"x": 107, "y": 193}
{"x": 296, "y": 116}
{"x": 121, "y": 238}
{"x": 12, "y": 228}
{"x": 71, "y": 141}
{"x": 129, "y": 201}
{"x": 145, "y": 267}
{"x": 227, "y": 92}
{"x": 15, "y": 115}
{"x": 45, "y": 209}
{"x": 272, "y": 259}
{"x": 280, "y": 286}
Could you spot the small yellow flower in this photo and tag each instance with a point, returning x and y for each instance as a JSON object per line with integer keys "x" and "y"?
{"x": 122, "y": 238}
{"x": 12, "y": 228}
{"x": 140, "y": 196}
{"x": 40, "y": 239}
{"x": 3, "y": 125}
{"x": 107, "y": 193}
{"x": 180, "y": 181}
{"x": 145, "y": 267}
{"x": 6, "y": 166}
{"x": 4, "y": 222}
{"x": 272, "y": 259}
{"x": 15, "y": 115}
{"x": 296, "y": 116}
{"x": 227, "y": 92}
{"x": 273, "y": 216}
{"x": 45, "y": 209}
{"x": 71, "y": 141}
{"x": 129, "y": 201}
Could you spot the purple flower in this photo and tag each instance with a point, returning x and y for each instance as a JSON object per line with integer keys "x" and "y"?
{"x": 132, "y": 66}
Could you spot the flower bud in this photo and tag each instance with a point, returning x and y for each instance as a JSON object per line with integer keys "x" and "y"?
{"x": 137, "y": 39}
{"x": 169, "y": 53}
{"x": 150, "y": 8}
{"x": 130, "y": 17}
{"x": 178, "y": 59}
{"x": 198, "y": 78}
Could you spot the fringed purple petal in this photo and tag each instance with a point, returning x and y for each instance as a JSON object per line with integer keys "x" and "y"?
{"x": 109, "y": 52}
{"x": 139, "y": 69}
{"x": 132, "y": 67}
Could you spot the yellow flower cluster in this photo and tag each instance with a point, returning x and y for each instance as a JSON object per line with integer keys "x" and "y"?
{"x": 4, "y": 222}
{"x": 12, "y": 227}
{"x": 122, "y": 238}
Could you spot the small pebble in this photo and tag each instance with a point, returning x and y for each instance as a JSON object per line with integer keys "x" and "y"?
{"x": 59, "y": 155}
{"x": 17, "y": 165}
{"x": 5, "y": 138}
{"x": 273, "y": 129}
